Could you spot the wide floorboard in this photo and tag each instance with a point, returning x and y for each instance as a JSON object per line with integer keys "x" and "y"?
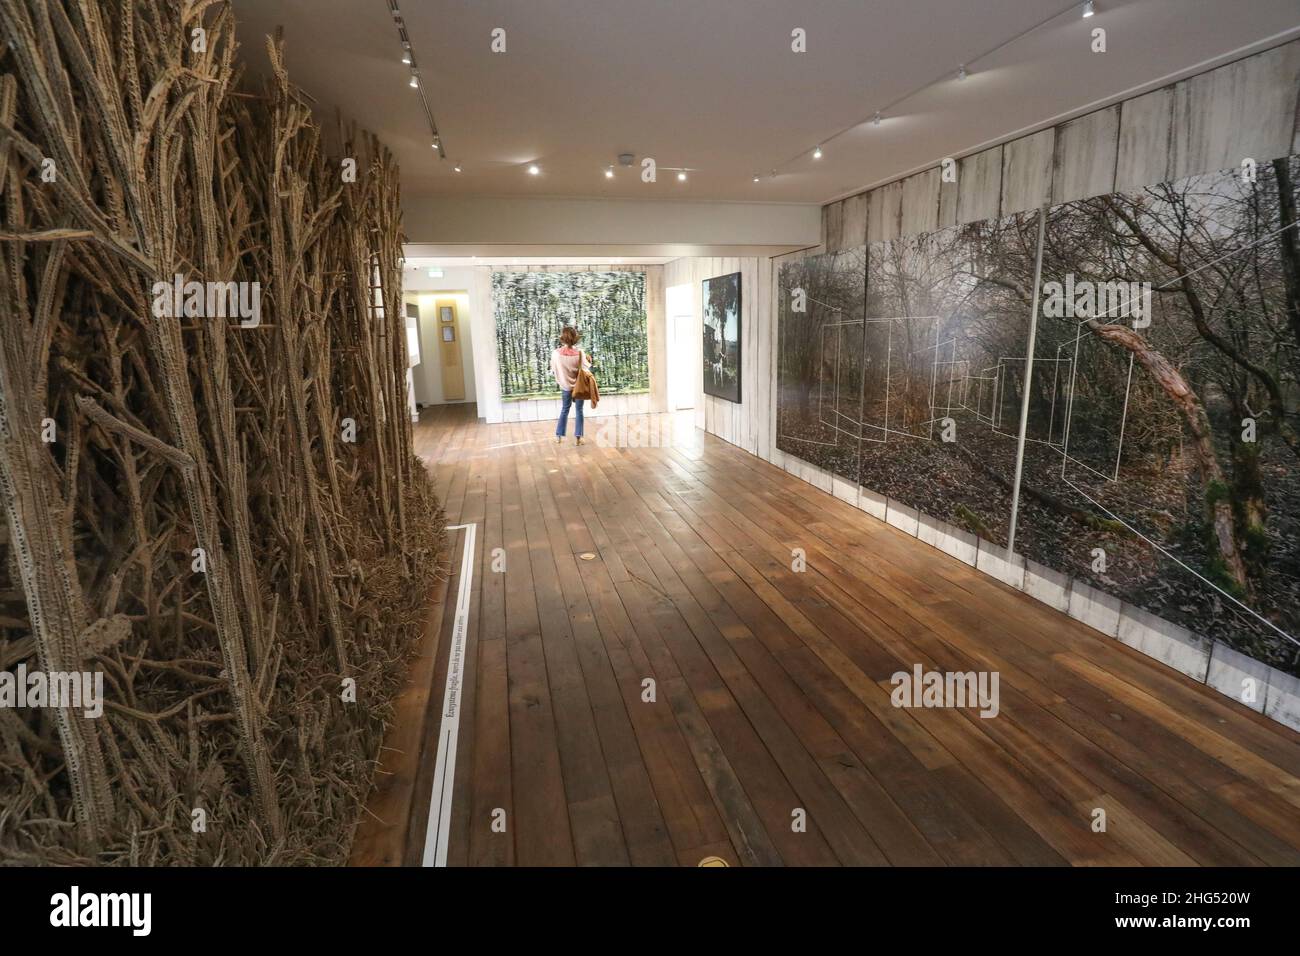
{"x": 650, "y": 679}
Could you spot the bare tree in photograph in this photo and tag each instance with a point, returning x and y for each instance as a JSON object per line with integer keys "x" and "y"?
{"x": 1203, "y": 478}
{"x": 721, "y": 336}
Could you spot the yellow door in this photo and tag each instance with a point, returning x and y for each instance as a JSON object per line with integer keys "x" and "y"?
{"x": 453, "y": 370}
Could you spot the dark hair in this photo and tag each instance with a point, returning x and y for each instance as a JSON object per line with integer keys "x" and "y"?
{"x": 569, "y": 336}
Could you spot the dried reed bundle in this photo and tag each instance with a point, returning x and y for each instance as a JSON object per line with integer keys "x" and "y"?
{"x": 200, "y": 529}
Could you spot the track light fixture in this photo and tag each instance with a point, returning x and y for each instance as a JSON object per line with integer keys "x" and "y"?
{"x": 681, "y": 177}
{"x": 875, "y": 120}
{"x": 1088, "y": 9}
{"x": 534, "y": 169}
{"x": 412, "y": 63}
{"x": 817, "y": 153}
{"x": 961, "y": 72}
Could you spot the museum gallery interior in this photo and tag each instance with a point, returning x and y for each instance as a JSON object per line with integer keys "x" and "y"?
{"x": 675, "y": 434}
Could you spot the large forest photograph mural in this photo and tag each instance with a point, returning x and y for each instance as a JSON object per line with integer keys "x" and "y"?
{"x": 1179, "y": 456}
{"x": 608, "y": 308}
{"x": 1161, "y": 457}
{"x": 721, "y": 331}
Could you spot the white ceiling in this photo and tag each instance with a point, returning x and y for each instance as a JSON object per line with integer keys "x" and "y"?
{"x": 422, "y": 263}
{"x": 712, "y": 85}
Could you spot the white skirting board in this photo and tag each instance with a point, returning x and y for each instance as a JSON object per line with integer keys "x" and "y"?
{"x": 948, "y": 538}
{"x": 902, "y": 517}
{"x": 1094, "y": 607}
{"x": 1050, "y": 587}
{"x": 1165, "y": 641}
{"x": 873, "y": 503}
{"x": 995, "y": 561}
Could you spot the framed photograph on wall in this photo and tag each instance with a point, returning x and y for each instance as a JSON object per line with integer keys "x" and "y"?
{"x": 721, "y": 330}
{"x": 531, "y": 308}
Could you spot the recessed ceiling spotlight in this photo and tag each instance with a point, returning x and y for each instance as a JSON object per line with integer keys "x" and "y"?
{"x": 534, "y": 169}
{"x": 681, "y": 177}
{"x": 961, "y": 71}
{"x": 1088, "y": 9}
{"x": 817, "y": 153}
{"x": 609, "y": 173}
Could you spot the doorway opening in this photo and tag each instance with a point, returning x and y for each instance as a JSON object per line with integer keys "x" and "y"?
{"x": 683, "y": 346}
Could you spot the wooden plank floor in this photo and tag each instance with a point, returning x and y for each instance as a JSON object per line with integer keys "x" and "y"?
{"x": 771, "y": 687}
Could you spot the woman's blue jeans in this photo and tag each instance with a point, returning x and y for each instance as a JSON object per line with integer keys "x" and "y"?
{"x": 566, "y": 399}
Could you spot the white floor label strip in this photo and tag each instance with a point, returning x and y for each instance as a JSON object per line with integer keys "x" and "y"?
{"x": 437, "y": 833}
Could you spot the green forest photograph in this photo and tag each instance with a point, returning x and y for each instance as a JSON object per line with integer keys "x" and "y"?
{"x": 607, "y": 308}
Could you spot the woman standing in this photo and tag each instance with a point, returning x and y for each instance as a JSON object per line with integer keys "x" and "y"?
{"x": 565, "y": 362}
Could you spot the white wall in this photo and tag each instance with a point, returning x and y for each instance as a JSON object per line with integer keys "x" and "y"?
{"x": 744, "y": 423}
{"x": 417, "y": 287}
{"x": 682, "y": 324}
{"x": 463, "y": 220}
{"x": 429, "y": 373}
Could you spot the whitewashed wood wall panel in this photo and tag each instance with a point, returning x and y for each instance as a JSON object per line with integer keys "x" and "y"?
{"x": 1143, "y": 147}
{"x": 884, "y": 220}
{"x": 948, "y": 193}
{"x": 1083, "y": 164}
{"x": 979, "y": 186}
{"x": 832, "y": 225}
{"x": 1027, "y": 172}
{"x": 853, "y": 221}
{"x": 920, "y": 203}
{"x": 1244, "y": 109}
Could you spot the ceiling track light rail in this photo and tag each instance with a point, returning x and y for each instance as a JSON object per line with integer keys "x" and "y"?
{"x": 413, "y": 64}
